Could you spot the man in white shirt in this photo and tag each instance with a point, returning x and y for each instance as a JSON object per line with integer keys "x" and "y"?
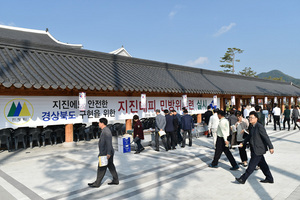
{"x": 222, "y": 143}
{"x": 276, "y": 114}
{"x": 246, "y": 112}
{"x": 213, "y": 125}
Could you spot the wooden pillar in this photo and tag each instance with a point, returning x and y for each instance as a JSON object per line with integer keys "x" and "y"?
{"x": 282, "y": 105}
{"x": 238, "y": 104}
{"x": 221, "y": 103}
{"x": 69, "y": 133}
{"x": 199, "y": 118}
{"x": 290, "y": 103}
{"x": 128, "y": 124}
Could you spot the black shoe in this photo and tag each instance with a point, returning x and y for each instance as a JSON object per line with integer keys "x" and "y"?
{"x": 274, "y": 129}
{"x": 235, "y": 167}
{"x": 91, "y": 183}
{"x": 156, "y": 149}
{"x": 113, "y": 183}
{"x": 241, "y": 181}
{"x": 266, "y": 181}
{"x": 137, "y": 152}
{"x": 142, "y": 149}
{"x": 182, "y": 146}
{"x": 94, "y": 185}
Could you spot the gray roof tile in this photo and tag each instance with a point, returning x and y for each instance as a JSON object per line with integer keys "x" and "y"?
{"x": 40, "y": 65}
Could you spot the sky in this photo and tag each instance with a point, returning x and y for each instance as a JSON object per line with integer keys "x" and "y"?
{"x": 193, "y": 33}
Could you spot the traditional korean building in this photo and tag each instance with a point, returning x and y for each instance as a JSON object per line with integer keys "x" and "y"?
{"x": 41, "y": 78}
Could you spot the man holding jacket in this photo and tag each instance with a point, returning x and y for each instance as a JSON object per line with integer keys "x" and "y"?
{"x": 160, "y": 125}
{"x": 259, "y": 144}
{"x": 105, "y": 149}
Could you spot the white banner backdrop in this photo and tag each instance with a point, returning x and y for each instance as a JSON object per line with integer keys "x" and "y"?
{"x": 52, "y": 110}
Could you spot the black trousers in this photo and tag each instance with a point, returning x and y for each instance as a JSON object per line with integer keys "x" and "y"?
{"x": 102, "y": 170}
{"x": 179, "y": 136}
{"x": 243, "y": 153}
{"x": 277, "y": 122}
{"x": 185, "y": 132}
{"x": 295, "y": 122}
{"x": 220, "y": 148}
{"x": 139, "y": 145}
{"x": 164, "y": 140}
{"x": 288, "y": 122}
{"x": 257, "y": 161}
{"x": 172, "y": 139}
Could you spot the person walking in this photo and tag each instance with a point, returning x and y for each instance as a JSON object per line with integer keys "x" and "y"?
{"x": 261, "y": 116}
{"x": 187, "y": 124}
{"x": 295, "y": 116}
{"x": 232, "y": 121}
{"x": 276, "y": 113}
{"x": 241, "y": 127}
{"x": 138, "y": 133}
{"x": 287, "y": 115}
{"x": 160, "y": 125}
{"x": 207, "y": 116}
{"x": 105, "y": 149}
{"x": 259, "y": 144}
{"x": 213, "y": 126}
{"x": 222, "y": 143}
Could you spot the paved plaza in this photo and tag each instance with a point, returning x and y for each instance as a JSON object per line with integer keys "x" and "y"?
{"x": 57, "y": 172}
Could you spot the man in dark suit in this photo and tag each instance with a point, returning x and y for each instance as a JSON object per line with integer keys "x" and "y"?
{"x": 259, "y": 144}
{"x": 105, "y": 149}
{"x": 170, "y": 130}
{"x": 187, "y": 125}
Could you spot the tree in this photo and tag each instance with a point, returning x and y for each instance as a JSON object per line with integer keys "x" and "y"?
{"x": 275, "y": 78}
{"x": 248, "y": 72}
{"x": 229, "y": 58}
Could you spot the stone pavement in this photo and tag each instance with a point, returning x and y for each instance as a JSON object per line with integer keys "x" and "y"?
{"x": 56, "y": 172}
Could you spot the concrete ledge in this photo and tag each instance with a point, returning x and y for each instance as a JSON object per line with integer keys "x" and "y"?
{"x": 69, "y": 144}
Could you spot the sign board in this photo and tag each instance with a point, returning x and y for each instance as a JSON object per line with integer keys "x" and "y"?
{"x": 275, "y": 100}
{"x": 252, "y": 100}
{"x": 52, "y": 110}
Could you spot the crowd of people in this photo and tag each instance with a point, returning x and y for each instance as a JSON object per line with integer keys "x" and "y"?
{"x": 240, "y": 129}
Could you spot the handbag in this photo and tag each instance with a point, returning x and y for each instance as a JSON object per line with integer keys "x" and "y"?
{"x": 136, "y": 139}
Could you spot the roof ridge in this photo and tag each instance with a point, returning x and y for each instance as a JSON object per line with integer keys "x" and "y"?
{"x": 39, "y": 32}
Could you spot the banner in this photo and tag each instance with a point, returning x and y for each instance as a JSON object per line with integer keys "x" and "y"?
{"x": 184, "y": 100}
{"x": 52, "y": 110}
{"x": 82, "y": 101}
{"x": 292, "y": 100}
{"x": 284, "y": 100}
{"x": 252, "y": 100}
{"x": 233, "y": 100}
{"x": 215, "y": 100}
{"x": 143, "y": 101}
{"x": 266, "y": 100}
{"x": 275, "y": 100}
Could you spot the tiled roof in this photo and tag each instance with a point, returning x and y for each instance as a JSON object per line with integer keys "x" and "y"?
{"x": 46, "y": 66}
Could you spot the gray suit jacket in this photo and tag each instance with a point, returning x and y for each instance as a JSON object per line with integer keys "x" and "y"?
{"x": 160, "y": 122}
{"x": 105, "y": 143}
{"x": 259, "y": 139}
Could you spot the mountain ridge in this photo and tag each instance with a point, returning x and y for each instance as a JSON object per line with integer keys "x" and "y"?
{"x": 279, "y": 74}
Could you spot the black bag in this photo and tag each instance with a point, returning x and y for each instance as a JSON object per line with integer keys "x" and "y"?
{"x": 136, "y": 139}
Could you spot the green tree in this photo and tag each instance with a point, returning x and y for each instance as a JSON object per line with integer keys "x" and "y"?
{"x": 275, "y": 78}
{"x": 229, "y": 58}
{"x": 248, "y": 72}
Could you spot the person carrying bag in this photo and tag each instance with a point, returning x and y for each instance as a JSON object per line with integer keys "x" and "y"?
{"x": 138, "y": 133}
